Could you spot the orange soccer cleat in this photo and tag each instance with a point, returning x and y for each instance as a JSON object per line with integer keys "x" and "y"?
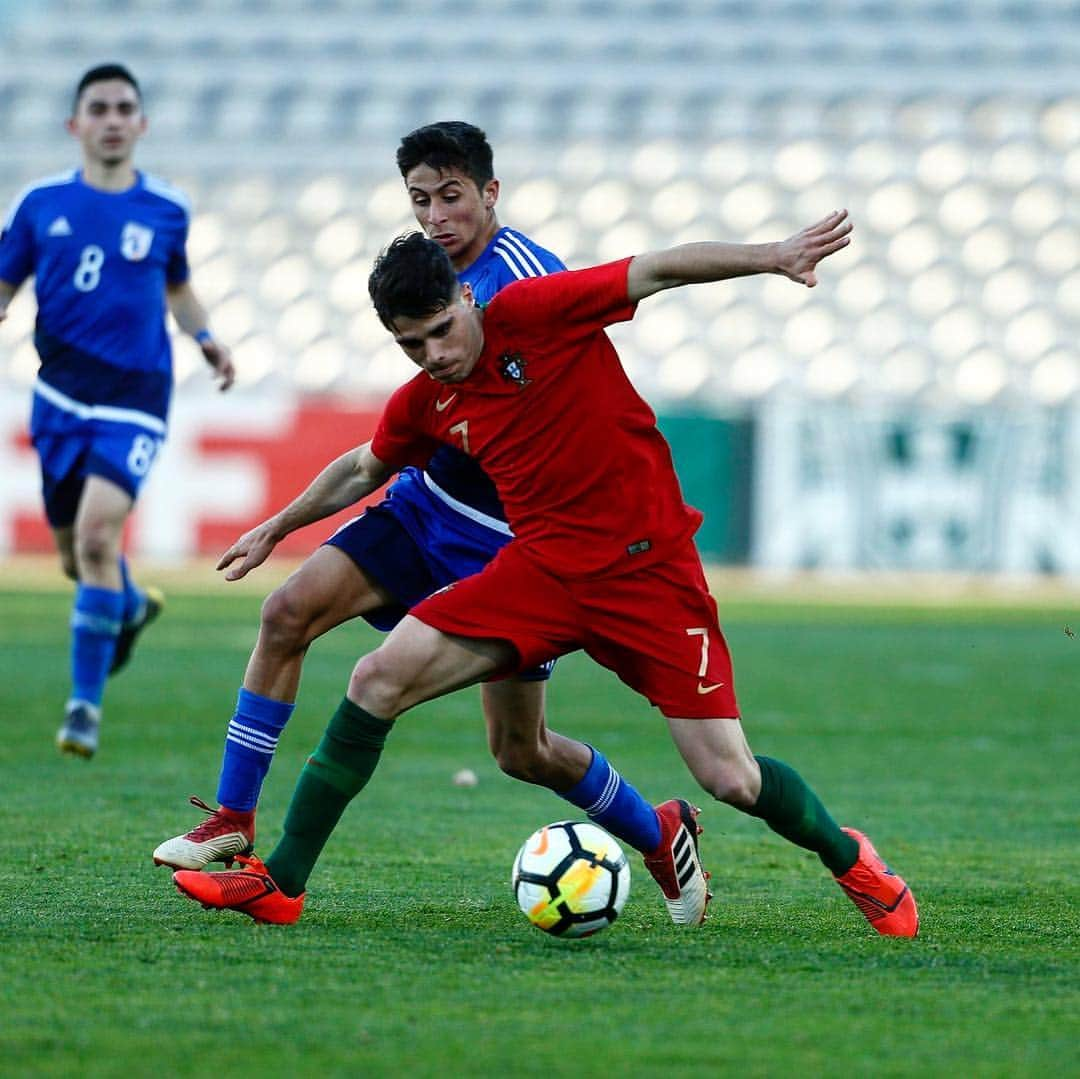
{"x": 250, "y": 891}
{"x": 879, "y": 893}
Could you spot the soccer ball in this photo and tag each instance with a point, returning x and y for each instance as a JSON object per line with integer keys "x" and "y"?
{"x": 571, "y": 879}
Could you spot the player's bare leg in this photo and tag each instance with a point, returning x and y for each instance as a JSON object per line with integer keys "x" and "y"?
{"x": 417, "y": 663}
{"x": 520, "y": 741}
{"x": 99, "y": 526}
{"x": 327, "y": 590}
{"x": 91, "y": 549}
{"x": 65, "y": 546}
{"x": 718, "y": 756}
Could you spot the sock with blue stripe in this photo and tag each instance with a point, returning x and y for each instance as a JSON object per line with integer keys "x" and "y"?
{"x": 95, "y": 624}
{"x": 249, "y": 749}
{"x": 134, "y": 597}
{"x": 615, "y": 805}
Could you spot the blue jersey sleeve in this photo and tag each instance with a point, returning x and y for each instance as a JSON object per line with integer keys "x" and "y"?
{"x": 17, "y": 245}
{"x": 177, "y": 209}
{"x": 177, "y": 270}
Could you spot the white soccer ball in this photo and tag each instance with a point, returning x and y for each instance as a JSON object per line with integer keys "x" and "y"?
{"x": 571, "y": 879}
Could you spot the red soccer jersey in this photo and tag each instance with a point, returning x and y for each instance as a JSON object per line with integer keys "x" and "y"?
{"x": 585, "y": 477}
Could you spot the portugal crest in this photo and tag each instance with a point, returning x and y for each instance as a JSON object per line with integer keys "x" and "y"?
{"x": 135, "y": 241}
{"x": 512, "y": 366}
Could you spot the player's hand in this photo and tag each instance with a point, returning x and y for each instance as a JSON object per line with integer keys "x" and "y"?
{"x": 220, "y": 359}
{"x": 798, "y": 256}
{"x": 252, "y": 549}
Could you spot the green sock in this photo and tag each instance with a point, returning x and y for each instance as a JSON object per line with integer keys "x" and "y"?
{"x": 334, "y": 774}
{"x": 791, "y": 809}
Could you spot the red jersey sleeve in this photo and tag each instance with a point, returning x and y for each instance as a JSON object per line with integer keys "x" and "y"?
{"x": 399, "y": 440}
{"x": 587, "y": 300}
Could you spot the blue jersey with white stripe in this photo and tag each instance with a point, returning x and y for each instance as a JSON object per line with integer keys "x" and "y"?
{"x": 509, "y": 257}
{"x": 101, "y": 262}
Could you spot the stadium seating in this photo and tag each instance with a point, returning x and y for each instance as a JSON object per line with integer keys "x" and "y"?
{"x": 950, "y": 129}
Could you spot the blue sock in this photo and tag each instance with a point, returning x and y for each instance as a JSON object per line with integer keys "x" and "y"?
{"x": 615, "y": 805}
{"x": 95, "y": 625}
{"x": 134, "y": 597}
{"x": 249, "y": 748}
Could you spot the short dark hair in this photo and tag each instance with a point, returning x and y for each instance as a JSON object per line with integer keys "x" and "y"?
{"x": 102, "y": 73}
{"x": 412, "y": 277}
{"x": 449, "y": 144}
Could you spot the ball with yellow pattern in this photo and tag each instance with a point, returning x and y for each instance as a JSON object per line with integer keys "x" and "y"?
{"x": 571, "y": 879}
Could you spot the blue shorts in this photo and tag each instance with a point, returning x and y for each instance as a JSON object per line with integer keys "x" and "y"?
{"x": 413, "y": 543}
{"x": 71, "y": 447}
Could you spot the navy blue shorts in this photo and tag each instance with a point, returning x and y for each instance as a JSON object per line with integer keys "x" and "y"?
{"x": 413, "y": 543}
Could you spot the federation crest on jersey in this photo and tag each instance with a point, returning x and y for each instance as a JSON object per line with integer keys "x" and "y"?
{"x": 512, "y": 365}
{"x": 135, "y": 241}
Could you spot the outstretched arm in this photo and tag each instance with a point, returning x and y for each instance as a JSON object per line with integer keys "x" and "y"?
{"x": 191, "y": 317}
{"x": 344, "y": 481}
{"x": 699, "y": 263}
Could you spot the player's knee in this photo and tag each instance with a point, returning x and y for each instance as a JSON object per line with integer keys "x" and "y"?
{"x": 377, "y": 686}
{"x": 95, "y": 548}
{"x": 513, "y": 762}
{"x": 732, "y": 782}
{"x": 528, "y": 761}
{"x": 285, "y": 620}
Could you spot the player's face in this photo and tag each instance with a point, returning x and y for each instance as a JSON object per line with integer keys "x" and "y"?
{"x": 446, "y": 344}
{"x": 108, "y": 121}
{"x": 453, "y": 211}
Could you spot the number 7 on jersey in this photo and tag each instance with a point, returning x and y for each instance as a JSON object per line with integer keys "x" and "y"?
{"x": 463, "y": 430}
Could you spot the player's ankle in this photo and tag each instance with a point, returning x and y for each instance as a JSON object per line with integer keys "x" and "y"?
{"x": 240, "y": 816}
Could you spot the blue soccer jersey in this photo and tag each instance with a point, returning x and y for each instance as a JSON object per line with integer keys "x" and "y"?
{"x": 101, "y": 262}
{"x": 509, "y": 256}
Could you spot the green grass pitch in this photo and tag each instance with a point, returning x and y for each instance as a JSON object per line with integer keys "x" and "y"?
{"x": 948, "y": 734}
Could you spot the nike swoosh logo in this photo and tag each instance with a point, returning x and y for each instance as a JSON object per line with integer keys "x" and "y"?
{"x": 441, "y": 406}
{"x": 542, "y": 846}
{"x": 702, "y": 688}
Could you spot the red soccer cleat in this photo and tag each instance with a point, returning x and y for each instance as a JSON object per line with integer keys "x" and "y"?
{"x": 223, "y": 836}
{"x": 675, "y": 864}
{"x": 879, "y": 893}
{"x": 250, "y": 891}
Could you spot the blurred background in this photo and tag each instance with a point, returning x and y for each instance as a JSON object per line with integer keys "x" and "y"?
{"x": 919, "y": 410}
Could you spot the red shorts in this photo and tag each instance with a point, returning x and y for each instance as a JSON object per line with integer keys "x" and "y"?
{"x": 656, "y": 627}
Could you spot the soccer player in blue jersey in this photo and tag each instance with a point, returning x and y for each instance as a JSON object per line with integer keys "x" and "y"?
{"x": 435, "y": 526}
{"x": 106, "y": 246}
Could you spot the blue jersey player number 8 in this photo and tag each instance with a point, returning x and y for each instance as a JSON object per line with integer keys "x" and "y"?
{"x": 105, "y": 244}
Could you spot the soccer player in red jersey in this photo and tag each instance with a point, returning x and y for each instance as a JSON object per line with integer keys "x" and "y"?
{"x": 603, "y": 557}
{"x": 434, "y": 526}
